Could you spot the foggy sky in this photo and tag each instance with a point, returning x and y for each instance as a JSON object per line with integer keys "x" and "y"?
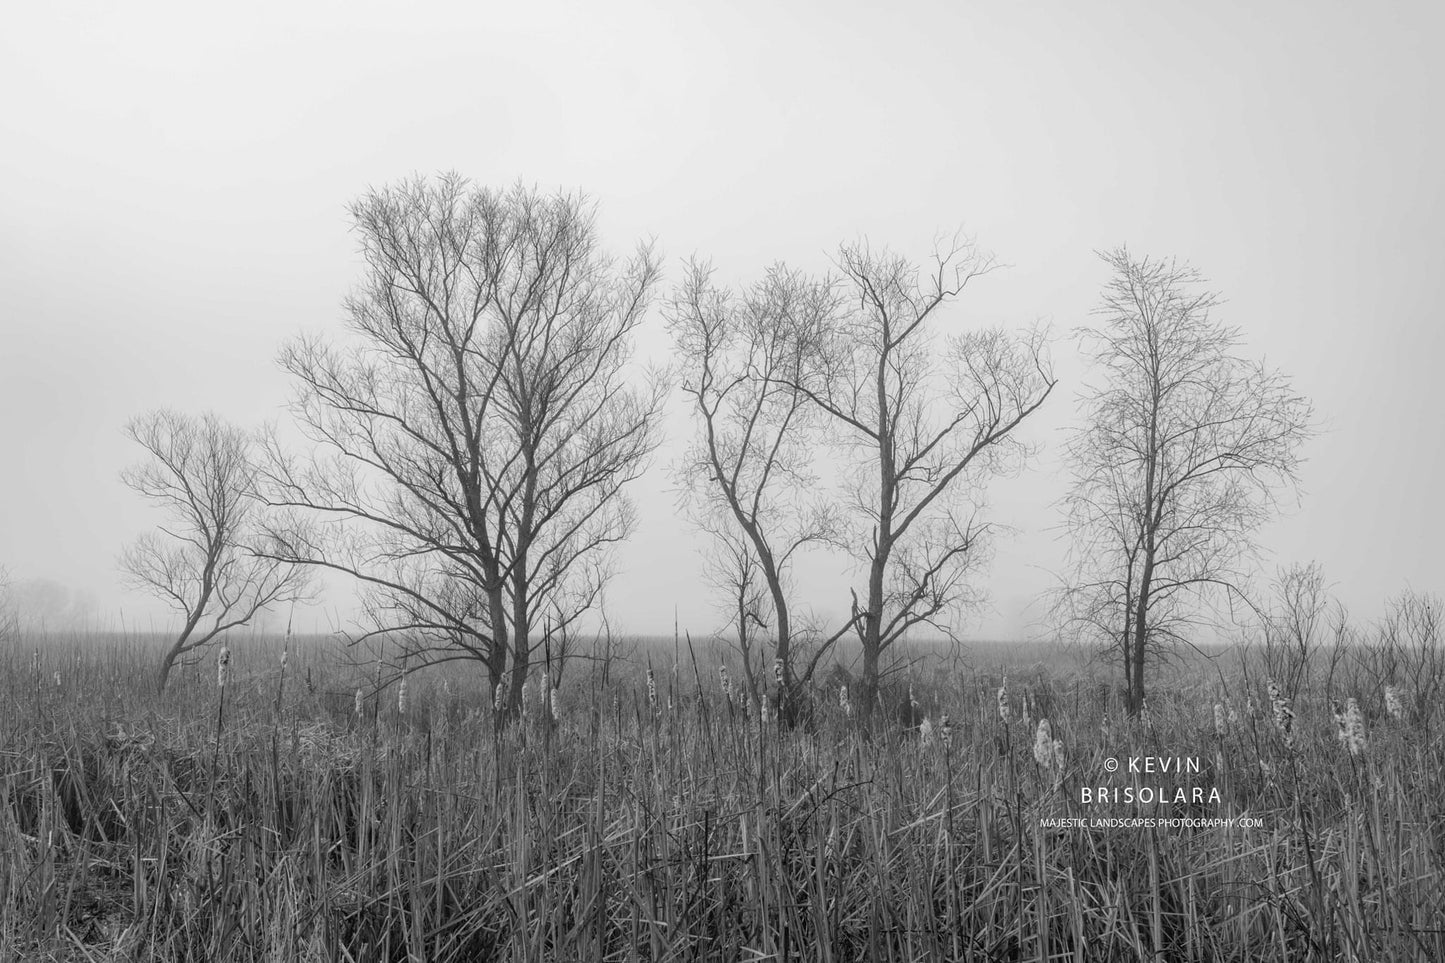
{"x": 173, "y": 183}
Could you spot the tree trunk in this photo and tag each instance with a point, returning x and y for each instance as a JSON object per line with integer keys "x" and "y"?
{"x": 497, "y": 656}
{"x": 787, "y": 696}
{"x": 1135, "y": 702}
{"x": 872, "y": 640}
{"x": 166, "y": 663}
{"x": 521, "y": 654}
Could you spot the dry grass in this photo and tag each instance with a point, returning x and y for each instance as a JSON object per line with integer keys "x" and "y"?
{"x": 288, "y": 827}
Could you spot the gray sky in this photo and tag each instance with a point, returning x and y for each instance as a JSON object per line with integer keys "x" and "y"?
{"x": 173, "y": 183}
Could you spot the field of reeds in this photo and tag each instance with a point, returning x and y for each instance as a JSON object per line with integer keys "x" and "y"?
{"x": 300, "y": 812}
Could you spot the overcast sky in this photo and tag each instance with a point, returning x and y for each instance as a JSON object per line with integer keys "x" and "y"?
{"x": 173, "y": 183}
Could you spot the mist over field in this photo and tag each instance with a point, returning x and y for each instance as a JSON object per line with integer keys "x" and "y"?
{"x": 175, "y": 214}
{"x": 636, "y": 481}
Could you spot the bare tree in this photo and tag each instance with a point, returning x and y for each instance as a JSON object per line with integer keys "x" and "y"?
{"x": 748, "y": 478}
{"x": 1294, "y": 629}
{"x": 9, "y": 617}
{"x": 1183, "y": 452}
{"x": 473, "y": 439}
{"x": 923, "y": 426}
{"x": 208, "y": 560}
{"x": 731, "y": 567}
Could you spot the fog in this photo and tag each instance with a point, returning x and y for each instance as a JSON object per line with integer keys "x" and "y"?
{"x": 174, "y": 181}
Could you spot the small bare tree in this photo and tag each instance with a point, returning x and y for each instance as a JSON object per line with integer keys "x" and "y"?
{"x": 208, "y": 560}
{"x": 1295, "y": 628}
{"x": 732, "y": 568}
{"x": 474, "y": 438}
{"x": 9, "y": 617}
{"x": 1179, "y": 462}
{"x": 748, "y": 478}
{"x": 923, "y": 424}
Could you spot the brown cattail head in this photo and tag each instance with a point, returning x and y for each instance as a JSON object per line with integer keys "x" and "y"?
{"x": 1394, "y": 705}
{"x": 1283, "y": 713}
{"x": 1352, "y": 727}
{"x": 1044, "y": 745}
{"x": 223, "y": 668}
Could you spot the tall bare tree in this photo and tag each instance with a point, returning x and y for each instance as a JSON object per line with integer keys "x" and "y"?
{"x": 1185, "y": 448}
{"x": 749, "y": 476}
{"x": 924, "y": 422}
{"x": 209, "y": 560}
{"x": 473, "y": 438}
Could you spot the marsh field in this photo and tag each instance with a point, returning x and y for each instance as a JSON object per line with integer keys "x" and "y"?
{"x": 299, "y": 812}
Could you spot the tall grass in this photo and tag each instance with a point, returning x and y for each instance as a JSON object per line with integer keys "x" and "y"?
{"x": 293, "y": 827}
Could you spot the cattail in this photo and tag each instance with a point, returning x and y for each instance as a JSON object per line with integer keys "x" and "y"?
{"x": 778, "y": 671}
{"x": 925, "y": 731}
{"x": 651, "y": 690}
{"x": 727, "y": 683}
{"x": 1044, "y": 745}
{"x": 356, "y": 703}
{"x": 57, "y": 678}
{"x": 284, "y": 655}
{"x": 846, "y": 705}
{"x": 1059, "y": 755}
{"x": 401, "y": 698}
{"x": 497, "y": 698}
{"x": 763, "y": 710}
{"x": 946, "y": 730}
{"x": 223, "y": 668}
{"x": 1028, "y": 719}
{"x": 555, "y": 704}
{"x": 1004, "y": 711}
{"x": 912, "y": 702}
{"x": 1352, "y": 727}
{"x": 1233, "y": 718}
{"x": 1283, "y": 714}
{"x": 1221, "y": 728}
{"x": 1393, "y": 705}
